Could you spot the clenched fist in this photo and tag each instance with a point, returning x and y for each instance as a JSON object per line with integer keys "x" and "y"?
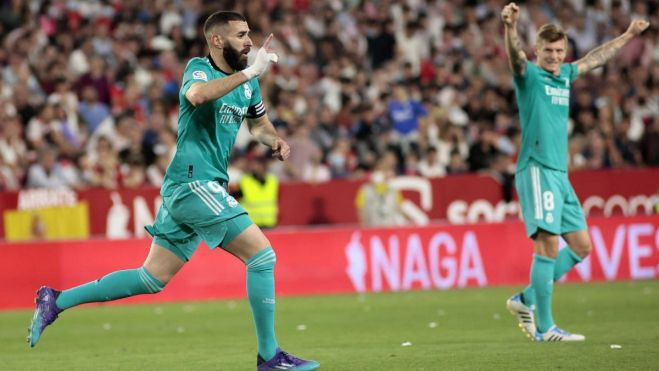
{"x": 280, "y": 149}
{"x": 637, "y": 26}
{"x": 510, "y": 14}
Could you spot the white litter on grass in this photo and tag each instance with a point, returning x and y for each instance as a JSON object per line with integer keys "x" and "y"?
{"x": 232, "y": 305}
{"x": 189, "y": 308}
{"x": 616, "y": 346}
{"x": 406, "y": 344}
{"x": 301, "y": 327}
{"x": 180, "y": 329}
{"x": 432, "y": 324}
{"x": 158, "y": 310}
{"x": 107, "y": 326}
{"x": 496, "y": 316}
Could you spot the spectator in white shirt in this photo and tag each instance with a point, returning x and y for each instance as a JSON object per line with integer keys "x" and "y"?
{"x": 47, "y": 172}
{"x": 429, "y": 166}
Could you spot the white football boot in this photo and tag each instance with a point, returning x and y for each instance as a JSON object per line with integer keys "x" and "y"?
{"x": 525, "y": 315}
{"x": 556, "y": 334}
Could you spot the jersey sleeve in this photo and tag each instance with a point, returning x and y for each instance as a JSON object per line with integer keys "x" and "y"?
{"x": 256, "y": 107}
{"x": 197, "y": 70}
{"x": 531, "y": 70}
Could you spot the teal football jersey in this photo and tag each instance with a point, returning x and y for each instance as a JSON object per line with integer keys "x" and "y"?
{"x": 206, "y": 133}
{"x": 544, "y": 101}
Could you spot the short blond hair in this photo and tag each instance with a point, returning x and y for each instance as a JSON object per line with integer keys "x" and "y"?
{"x": 551, "y": 33}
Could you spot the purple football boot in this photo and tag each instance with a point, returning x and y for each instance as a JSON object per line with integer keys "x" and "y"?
{"x": 45, "y": 313}
{"x": 285, "y": 361}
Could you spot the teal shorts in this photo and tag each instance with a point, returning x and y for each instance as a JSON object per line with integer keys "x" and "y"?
{"x": 548, "y": 201}
{"x": 201, "y": 210}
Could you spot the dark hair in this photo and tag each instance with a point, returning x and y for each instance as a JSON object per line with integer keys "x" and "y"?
{"x": 221, "y": 18}
{"x": 551, "y": 33}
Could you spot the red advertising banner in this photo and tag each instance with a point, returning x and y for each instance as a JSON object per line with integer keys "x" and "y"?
{"x": 342, "y": 260}
{"x": 460, "y": 199}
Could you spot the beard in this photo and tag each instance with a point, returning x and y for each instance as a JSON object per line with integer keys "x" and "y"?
{"x": 234, "y": 58}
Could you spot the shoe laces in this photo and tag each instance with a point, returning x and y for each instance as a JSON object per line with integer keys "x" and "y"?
{"x": 288, "y": 358}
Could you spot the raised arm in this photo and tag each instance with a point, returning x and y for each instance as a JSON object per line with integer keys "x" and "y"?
{"x": 202, "y": 92}
{"x": 516, "y": 56}
{"x": 603, "y": 53}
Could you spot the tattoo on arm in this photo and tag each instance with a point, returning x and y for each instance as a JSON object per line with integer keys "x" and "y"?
{"x": 602, "y": 54}
{"x": 516, "y": 55}
{"x": 263, "y": 130}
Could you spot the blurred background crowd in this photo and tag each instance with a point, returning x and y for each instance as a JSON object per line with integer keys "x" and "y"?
{"x": 89, "y": 89}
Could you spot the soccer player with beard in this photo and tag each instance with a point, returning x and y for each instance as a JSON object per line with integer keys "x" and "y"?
{"x": 550, "y": 206}
{"x": 217, "y": 93}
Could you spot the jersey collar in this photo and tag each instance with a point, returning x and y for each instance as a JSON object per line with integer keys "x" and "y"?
{"x": 215, "y": 67}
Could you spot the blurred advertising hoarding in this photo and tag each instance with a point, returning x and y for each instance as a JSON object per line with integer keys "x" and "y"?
{"x": 342, "y": 260}
{"x": 47, "y": 214}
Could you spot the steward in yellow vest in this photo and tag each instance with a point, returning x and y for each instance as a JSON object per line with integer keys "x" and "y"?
{"x": 260, "y": 194}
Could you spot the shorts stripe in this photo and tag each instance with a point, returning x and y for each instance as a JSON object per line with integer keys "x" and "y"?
{"x": 205, "y": 198}
{"x": 537, "y": 191}
{"x": 210, "y": 195}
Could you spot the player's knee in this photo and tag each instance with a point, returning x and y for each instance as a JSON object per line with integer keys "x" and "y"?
{"x": 264, "y": 260}
{"x": 551, "y": 251}
{"x": 546, "y": 244}
{"x": 583, "y": 249}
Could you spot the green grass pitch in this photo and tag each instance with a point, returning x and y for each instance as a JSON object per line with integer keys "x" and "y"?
{"x": 466, "y": 329}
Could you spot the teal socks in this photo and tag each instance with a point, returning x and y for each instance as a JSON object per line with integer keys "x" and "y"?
{"x": 116, "y": 285}
{"x": 565, "y": 260}
{"x": 542, "y": 280}
{"x": 261, "y": 295}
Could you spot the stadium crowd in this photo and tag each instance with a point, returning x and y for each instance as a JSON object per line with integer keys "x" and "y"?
{"x": 89, "y": 89}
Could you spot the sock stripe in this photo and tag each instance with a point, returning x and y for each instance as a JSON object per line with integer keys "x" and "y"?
{"x": 267, "y": 258}
{"x": 150, "y": 287}
{"x": 269, "y": 263}
{"x": 157, "y": 285}
{"x": 149, "y": 281}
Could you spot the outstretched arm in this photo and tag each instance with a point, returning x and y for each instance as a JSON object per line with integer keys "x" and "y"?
{"x": 603, "y": 53}
{"x": 516, "y": 56}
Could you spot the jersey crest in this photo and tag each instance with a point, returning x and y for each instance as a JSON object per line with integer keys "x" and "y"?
{"x": 247, "y": 90}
